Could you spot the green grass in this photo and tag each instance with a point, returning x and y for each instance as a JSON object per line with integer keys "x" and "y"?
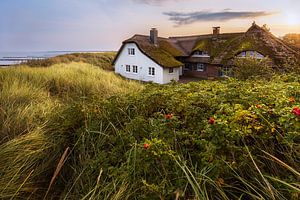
{"x": 102, "y": 60}
{"x": 75, "y": 131}
{"x": 37, "y": 119}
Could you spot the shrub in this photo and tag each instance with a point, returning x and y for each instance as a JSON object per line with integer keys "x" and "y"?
{"x": 251, "y": 67}
{"x": 228, "y": 139}
{"x": 187, "y": 153}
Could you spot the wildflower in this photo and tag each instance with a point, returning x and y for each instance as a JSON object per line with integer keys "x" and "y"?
{"x": 292, "y": 99}
{"x": 296, "y": 111}
{"x": 220, "y": 182}
{"x": 146, "y": 146}
{"x": 168, "y": 116}
{"x": 258, "y": 106}
{"x": 273, "y": 130}
{"x": 211, "y": 120}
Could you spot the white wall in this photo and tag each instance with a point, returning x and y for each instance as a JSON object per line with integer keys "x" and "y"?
{"x": 143, "y": 62}
{"x": 167, "y": 77}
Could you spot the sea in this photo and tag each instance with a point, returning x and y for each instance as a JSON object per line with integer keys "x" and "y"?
{"x": 11, "y": 58}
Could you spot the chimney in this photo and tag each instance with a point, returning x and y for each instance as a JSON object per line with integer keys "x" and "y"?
{"x": 154, "y": 36}
{"x": 216, "y": 30}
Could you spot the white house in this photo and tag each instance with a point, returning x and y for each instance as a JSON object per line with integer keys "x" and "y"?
{"x": 143, "y": 58}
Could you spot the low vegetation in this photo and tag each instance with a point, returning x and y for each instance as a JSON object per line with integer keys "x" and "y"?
{"x": 74, "y": 131}
{"x": 102, "y": 60}
{"x": 247, "y": 68}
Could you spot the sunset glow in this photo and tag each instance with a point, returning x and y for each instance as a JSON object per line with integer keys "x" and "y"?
{"x": 292, "y": 19}
{"x": 104, "y": 24}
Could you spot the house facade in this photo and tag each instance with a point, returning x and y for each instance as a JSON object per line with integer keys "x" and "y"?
{"x": 161, "y": 60}
{"x": 134, "y": 64}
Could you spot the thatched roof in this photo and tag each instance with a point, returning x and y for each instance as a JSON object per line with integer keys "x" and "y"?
{"x": 260, "y": 40}
{"x": 221, "y": 48}
{"x": 163, "y": 54}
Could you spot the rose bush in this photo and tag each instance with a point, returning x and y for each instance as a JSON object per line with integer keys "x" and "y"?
{"x": 218, "y": 139}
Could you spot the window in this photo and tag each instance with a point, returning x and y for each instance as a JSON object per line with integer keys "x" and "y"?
{"x": 197, "y": 52}
{"x": 131, "y": 51}
{"x": 200, "y": 67}
{"x": 188, "y": 67}
{"x": 135, "y": 69}
{"x": 201, "y": 54}
{"x": 171, "y": 70}
{"x": 151, "y": 71}
{"x": 243, "y": 54}
{"x": 258, "y": 55}
{"x": 252, "y": 54}
{"x": 127, "y": 68}
{"x": 226, "y": 71}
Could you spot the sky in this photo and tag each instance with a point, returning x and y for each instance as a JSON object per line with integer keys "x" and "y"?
{"x": 96, "y": 25}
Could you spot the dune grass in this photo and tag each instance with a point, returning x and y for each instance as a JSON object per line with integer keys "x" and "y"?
{"x": 38, "y": 114}
{"x": 102, "y": 60}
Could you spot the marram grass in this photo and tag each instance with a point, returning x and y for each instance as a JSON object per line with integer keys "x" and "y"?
{"x": 33, "y": 129}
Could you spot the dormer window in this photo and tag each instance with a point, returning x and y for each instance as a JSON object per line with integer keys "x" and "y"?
{"x": 200, "y": 54}
{"x": 131, "y": 51}
{"x": 250, "y": 54}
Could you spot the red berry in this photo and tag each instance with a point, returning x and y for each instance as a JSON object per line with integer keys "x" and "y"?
{"x": 211, "y": 120}
{"x": 296, "y": 111}
{"x": 292, "y": 99}
{"x": 146, "y": 146}
{"x": 258, "y": 106}
{"x": 168, "y": 116}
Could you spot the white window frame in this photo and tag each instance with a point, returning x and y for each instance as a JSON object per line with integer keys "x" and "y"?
{"x": 171, "y": 70}
{"x": 134, "y": 69}
{"x": 258, "y": 55}
{"x": 151, "y": 71}
{"x": 242, "y": 54}
{"x": 127, "y": 68}
{"x": 131, "y": 51}
{"x": 200, "y": 67}
{"x": 250, "y": 54}
{"x": 200, "y": 54}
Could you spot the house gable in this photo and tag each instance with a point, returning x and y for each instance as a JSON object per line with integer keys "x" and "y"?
{"x": 141, "y": 63}
{"x": 163, "y": 54}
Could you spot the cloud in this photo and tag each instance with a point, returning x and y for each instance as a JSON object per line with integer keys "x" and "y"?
{"x": 180, "y": 18}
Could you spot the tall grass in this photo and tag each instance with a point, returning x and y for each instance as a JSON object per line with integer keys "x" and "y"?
{"x": 39, "y": 110}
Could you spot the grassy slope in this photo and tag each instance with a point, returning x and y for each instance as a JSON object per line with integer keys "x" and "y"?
{"x": 105, "y": 122}
{"x": 37, "y": 122}
{"x": 102, "y": 60}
